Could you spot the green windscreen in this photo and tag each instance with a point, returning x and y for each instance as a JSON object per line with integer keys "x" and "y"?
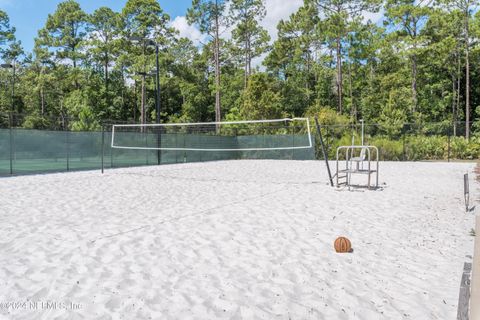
{"x": 40, "y": 151}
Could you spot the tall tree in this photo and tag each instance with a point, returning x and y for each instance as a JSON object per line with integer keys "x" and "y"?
{"x": 338, "y": 14}
{"x": 42, "y": 75}
{"x": 407, "y": 18}
{"x": 465, "y": 7}
{"x": 39, "y": 77}
{"x": 210, "y": 16}
{"x": 66, "y": 30}
{"x": 10, "y": 50}
{"x": 444, "y": 40}
{"x": 7, "y": 33}
{"x": 103, "y": 31}
{"x": 294, "y": 58}
{"x": 144, "y": 20}
{"x": 248, "y": 34}
{"x": 65, "y": 33}
{"x": 12, "y": 54}
{"x": 191, "y": 69}
{"x": 360, "y": 60}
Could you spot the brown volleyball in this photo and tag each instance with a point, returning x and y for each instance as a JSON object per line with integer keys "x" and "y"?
{"x": 342, "y": 244}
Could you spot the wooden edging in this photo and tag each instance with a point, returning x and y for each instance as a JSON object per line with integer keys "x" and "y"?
{"x": 475, "y": 284}
{"x": 464, "y": 296}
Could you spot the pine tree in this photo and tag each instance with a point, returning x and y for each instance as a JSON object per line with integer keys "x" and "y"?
{"x": 248, "y": 34}
{"x": 210, "y": 16}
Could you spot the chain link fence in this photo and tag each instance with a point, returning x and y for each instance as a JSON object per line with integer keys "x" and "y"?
{"x": 52, "y": 144}
{"x": 442, "y": 141}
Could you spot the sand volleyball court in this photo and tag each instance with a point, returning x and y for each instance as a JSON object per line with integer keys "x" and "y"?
{"x": 233, "y": 240}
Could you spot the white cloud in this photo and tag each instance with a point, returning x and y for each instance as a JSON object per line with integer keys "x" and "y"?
{"x": 257, "y": 62}
{"x": 374, "y": 17}
{"x": 188, "y": 31}
{"x": 276, "y": 11}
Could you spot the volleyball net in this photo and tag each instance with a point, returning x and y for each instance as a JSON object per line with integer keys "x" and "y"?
{"x": 234, "y": 136}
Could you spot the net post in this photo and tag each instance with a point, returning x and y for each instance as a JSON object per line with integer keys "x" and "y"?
{"x": 199, "y": 139}
{"x": 325, "y": 155}
{"x": 146, "y": 145}
{"x": 159, "y": 145}
{"x": 11, "y": 141}
{"x": 184, "y": 151}
{"x": 449, "y": 143}
{"x": 176, "y": 146}
{"x": 293, "y": 142}
{"x": 466, "y": 191}
{"x": 103, "y": 148}
{"x": 112, "y": 149}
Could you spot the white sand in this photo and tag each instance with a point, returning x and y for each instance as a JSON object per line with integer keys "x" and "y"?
{"x": 233, "y": 240}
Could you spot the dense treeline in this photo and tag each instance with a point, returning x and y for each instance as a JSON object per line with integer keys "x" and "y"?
{"x": 420, "y": 66}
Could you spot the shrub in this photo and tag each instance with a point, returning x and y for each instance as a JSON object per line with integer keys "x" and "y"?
{"x": 460, "y": 148}
{"x": 414, "y": 148}
{"x": 426, "y": 148}
{"x": 388, "y": 149}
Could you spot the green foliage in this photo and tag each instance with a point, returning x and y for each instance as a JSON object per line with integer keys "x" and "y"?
{"x": 476, "y": 123}
{"x": 86, "y": 121}
{"x": 250, "y": 39}
{"x": 465, "y": 149}
{"x": 103, "y": 29}
{"x": 204, "y": 13}
{"x": 35, "y": 121}
{"x": 388, "y": 149}
{"x": 327, "y": 116}
{"x": 393, "y": 116}
{"x": 7, "y": 33}
{"x": 412, "y": 147}
{"x": 65, "y": 30}
{"x": 426, "y": 148}
{"x": 145, "y": 19}
{"x": 335, "y": 127}
{"x": 261, "y": 100}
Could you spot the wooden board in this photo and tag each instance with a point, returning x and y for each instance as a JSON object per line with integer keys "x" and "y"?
{"x": 464, "y": 296}
{"x": 475, "y": 285}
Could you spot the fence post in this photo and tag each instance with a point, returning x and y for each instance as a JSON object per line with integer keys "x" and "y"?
{"x": 11, "y": 142}
{"x": 404, "y": 148}
{"x": 327, "y": 144}
{"x": 448, "y": 146}
{"x": 68, "y": 147}
{"x": 111, "y": 149}
{"x": 176, "y": 146}
{"x": 293, "y": 142}
{"x": 103, "y": 147}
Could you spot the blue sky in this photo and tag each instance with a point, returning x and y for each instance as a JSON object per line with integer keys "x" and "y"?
{"x": 28, "y": 16}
